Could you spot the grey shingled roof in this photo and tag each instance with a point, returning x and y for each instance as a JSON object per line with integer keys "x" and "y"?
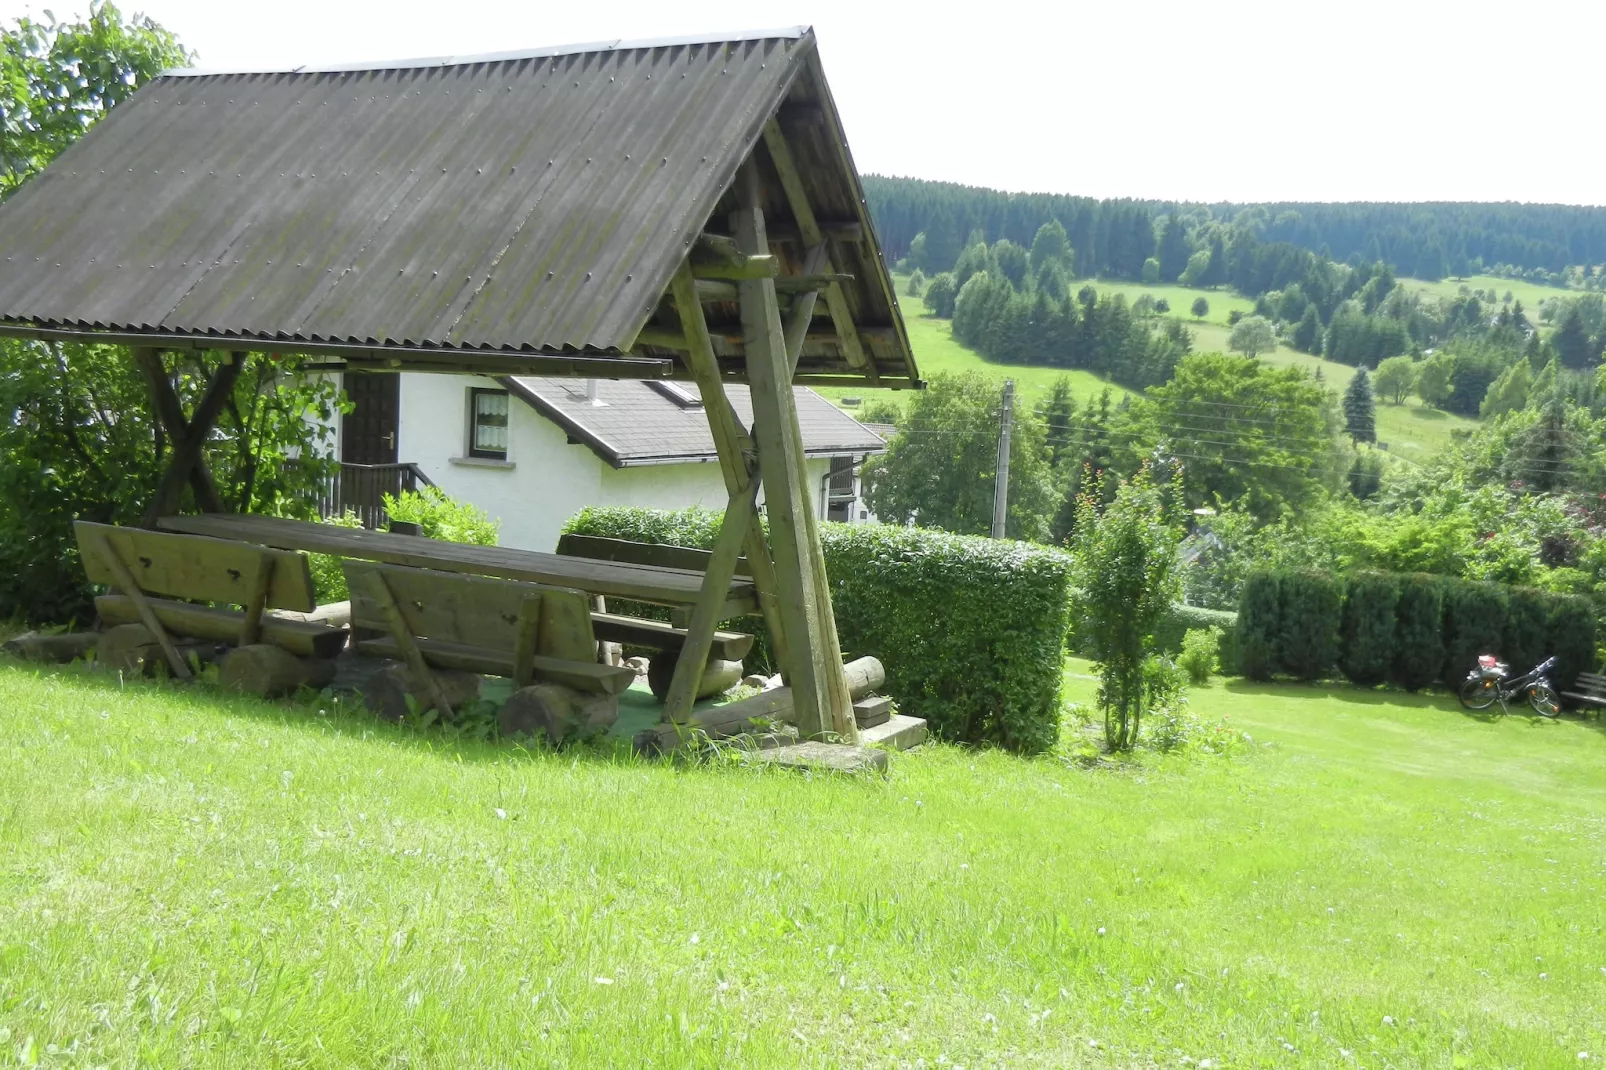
{"x": 642, "y": 422}
{"x": 525, "y": 202}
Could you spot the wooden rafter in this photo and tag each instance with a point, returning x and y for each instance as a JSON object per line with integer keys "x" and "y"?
{"x": 836, "y": 299}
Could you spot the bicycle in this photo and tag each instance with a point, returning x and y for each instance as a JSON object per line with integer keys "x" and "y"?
{"x": 1488, "y": 684}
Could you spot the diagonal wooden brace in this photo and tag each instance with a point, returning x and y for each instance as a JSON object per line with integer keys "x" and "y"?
{"x": 171, "y": 415}
{"x": 187, "y": 452}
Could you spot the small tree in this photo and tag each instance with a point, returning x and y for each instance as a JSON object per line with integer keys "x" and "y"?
{"x": 917, "y": 282}
{"x": 1252, "y": 336}
{"x": 1395, "y": 378}
{"x": 1360, "y": 412}
{"x": 1126, "y": 566}
{"x": 1201, "y": 308}
{"x": 940, "y": 295}
{"x": 1151, "y": 271}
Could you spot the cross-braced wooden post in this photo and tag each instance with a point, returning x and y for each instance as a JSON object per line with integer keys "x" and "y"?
{"x": 188, "y": 463}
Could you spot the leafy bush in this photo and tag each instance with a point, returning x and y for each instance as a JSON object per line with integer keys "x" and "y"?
{"x": 971, "y": 630}
{"x": 442, "y": 517}
{"x": 1419, "y": 632}
{"x": 1201, "y": 654}
{"x": 1170, "y": 723}
{"x": 1308, "y": 618}
{"x": 1368, "y": 628}
{"x": 1474, "y": 623}
{"x": 1181, "y": 619}
{"x": 1259, "y": 625}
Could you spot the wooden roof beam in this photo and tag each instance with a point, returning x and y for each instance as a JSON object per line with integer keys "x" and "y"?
{"x": 797, "y": 198}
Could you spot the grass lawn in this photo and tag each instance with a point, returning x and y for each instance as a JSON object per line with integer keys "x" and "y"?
{"x": 193, "y": 880}
{"x": 1531, "y": 294}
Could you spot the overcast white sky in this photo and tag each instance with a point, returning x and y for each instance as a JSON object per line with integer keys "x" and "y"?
{"x": 1232, "y": 100}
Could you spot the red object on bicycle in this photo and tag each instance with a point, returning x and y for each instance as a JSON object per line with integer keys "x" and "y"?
{"x": 1488, "y": 661}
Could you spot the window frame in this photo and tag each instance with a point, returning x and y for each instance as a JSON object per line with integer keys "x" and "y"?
{"x": 471, "y": 448}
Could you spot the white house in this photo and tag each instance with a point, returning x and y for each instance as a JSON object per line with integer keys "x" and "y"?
{"x": 532, "y": 452}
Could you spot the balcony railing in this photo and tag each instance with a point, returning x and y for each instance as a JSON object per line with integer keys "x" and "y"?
{"x": 361, "y": 489}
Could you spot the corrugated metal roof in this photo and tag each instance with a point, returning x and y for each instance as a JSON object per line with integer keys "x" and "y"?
{"x": 638, "y": 423}
{"x": 535, "y": 202}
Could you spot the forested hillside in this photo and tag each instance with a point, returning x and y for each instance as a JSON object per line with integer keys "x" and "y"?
{"x": 1114, "y": 238}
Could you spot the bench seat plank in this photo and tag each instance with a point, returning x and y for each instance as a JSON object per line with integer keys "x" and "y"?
{"x": 197, "y": 568}
{"x": 662, "y": 635}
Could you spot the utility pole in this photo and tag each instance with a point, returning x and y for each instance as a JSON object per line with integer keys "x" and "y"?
{"x": 1006, "y": 416}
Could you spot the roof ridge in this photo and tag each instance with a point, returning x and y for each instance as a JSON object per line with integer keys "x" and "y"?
{"x": 616, "y": 45}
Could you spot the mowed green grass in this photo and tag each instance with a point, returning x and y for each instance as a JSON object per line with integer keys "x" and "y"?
{"x": 200, "y": 881}
{"x": 1529, "y": 293}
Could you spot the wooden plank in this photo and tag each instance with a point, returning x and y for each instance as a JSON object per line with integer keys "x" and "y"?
{"x": 869, "y": 712}
{"x": 817, "y": 757}
{"x": 660, "y": 586}
{"x": 716, "y": 290}
{"x": 735, "y": 448}
{"x": 198, "y": 568}
{"x": 740, "y": 514}
{"x": 797, "y": 199}
{"x": 251, "y": 627}
{"x": 718, "y": 722}
{"x": 373, "y": 584}
{"x": 580, "y": 675}
{"x": 897, "y": 732}
{"x": 304, "y": 639}
{"x": 641, "y": 553}
{"x": 781, "y": 467}
{"x": 97, "y": 546}
{"x": 802, "y": 314}
{"x": 472, "y": 610}
{"x": 739, "y": 267}
{"x": 188, "y": 451}
{"x": 525, "y": 640}
{"x": 661, "y": 635}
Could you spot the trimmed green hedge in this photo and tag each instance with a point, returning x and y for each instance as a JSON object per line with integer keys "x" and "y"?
{"x": 971, "y": 630}
{"x": 1182, "y": 619}
{"x": 1408, "y": 629}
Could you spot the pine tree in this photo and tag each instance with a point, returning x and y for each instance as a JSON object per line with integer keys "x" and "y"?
{"x": 1360, "y": 410}
{"x": 1308, "y": 335}
{"x": 1572, "y": 341}
{"x": 1173, "y": 250}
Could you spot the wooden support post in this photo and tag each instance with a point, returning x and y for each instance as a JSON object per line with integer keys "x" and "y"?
{"x": 734, "y": 446}
{"x": 740, "y": 515}
{"x": 187, "y": 453}
{"x": 396, "y": 624}
{"x": 810, "y": 631}
{"x": 171, "y": 415}
{"x": 257, "y": 604}
{"x": 526, "y": 640}
{"x": 802, "y": 315}
{"x": 147, "y": 616}
{"x": 809, "y": 226}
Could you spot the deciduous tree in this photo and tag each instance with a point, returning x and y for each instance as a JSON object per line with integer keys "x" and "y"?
{"x": 1395, "y": 378}
{"x": 1252, "y": 336}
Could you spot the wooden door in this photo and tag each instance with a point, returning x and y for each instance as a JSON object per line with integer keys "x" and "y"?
{"x": 368, "y": 431}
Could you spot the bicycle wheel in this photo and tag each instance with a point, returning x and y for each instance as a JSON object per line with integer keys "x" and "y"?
{"x": 1480, "y": 692}
{"x": 1544, "y": 700}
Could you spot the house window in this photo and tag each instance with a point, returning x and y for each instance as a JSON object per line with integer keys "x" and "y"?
{"x": 487, "y": 434}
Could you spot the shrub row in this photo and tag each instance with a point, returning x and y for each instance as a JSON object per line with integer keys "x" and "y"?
{"x": 1182, "y": 619}
{"x": 1407, "y": 629}
{"x": 971, "y": 630}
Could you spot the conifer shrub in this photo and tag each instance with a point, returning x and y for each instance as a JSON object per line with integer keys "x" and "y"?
{"x": 1527, "y": 634}
{"x": 1419, "y": 632}
{"x": 1308, "y": 619}
{"x": 1367, "y": 629}
{"x": 971, "y": 630}
{"x": 1259, "y": 623}
{"x": 1572, "y": 640}
{"x": 1474, "y": 623}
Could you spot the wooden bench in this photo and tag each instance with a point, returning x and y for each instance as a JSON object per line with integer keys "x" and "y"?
{"x": 665, "y": 637}
{"x": 182, "y": 570}
{"x": 1591, "y": 690}
{"x": 444, "y": 620}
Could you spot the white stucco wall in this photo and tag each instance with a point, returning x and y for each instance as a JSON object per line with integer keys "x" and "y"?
{"x": 545, "y": 480}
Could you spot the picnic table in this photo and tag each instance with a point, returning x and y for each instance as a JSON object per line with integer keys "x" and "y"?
{"x": 656, "y": 584}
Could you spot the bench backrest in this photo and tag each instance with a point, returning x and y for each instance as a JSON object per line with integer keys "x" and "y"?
{"x": 627, "y": 552}
{"x": 195, "y": 567}
{"x": 472, "y": 611}
{"x": 1590, "y": 681}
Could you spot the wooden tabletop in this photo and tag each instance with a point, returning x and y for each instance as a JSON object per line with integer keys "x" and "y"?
{"x": 643, "y": 583}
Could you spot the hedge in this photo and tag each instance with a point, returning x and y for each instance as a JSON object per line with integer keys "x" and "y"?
{"x": 1367, "y": 630}
{"x": 1407, "y": 629}
{"x": 971, "y": 630}
{"x": 1183, "y": 619}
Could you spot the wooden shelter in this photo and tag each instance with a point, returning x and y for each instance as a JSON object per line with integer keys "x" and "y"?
{"x": 682, "y": 209}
